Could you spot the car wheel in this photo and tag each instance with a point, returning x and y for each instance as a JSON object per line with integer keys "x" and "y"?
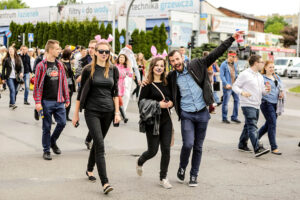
{"x": 290, "y": 77}
{"x": 285, "y": 73}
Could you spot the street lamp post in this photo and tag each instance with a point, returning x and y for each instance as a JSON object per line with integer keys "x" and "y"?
{"x": 127, "y": 22}
{"x": 298, "y": 37}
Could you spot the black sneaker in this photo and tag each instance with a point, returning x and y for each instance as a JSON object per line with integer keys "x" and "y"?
{"x": 236, "y": 121}
{"x": 27, "y": 103}
{"x": 193, "y": 181}
{"x": 36, "y": 115}
{"x": 244, "y": 149}
{"x": 180, "y": 174}
{"x": 47, "y": 156}
{"x": 261, "y": 151}
{"x": 55, "y": 149}
{"x": 13, "y": 106}
{"x": 299, "y": 144}
{"x": 226, "y": 121}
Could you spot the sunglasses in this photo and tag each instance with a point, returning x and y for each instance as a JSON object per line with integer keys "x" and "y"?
{"x": 107, "y": 52}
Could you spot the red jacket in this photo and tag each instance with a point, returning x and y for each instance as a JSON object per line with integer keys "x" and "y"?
{"x": 63, "y": 91}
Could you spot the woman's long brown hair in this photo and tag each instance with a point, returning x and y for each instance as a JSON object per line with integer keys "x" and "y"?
{"x": 16, "y": 57}
{"x": 151, "y": 67}
{"x": 94, "y": 61}
{"x": 263, "y": 71}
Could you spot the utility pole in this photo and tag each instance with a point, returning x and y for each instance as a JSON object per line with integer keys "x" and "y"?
{"x": 200, "y": 15}
{"x": 298, "y": 37}
{"x": 127, "y": 22}
{"x": 114, "y": 25}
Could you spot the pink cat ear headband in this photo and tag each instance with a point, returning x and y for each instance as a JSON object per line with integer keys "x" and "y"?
{"x": 155, "y": 54}
{"x": 109, "y": 39}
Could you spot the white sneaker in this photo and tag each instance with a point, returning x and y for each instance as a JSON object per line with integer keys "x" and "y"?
{"x": 165, "y": 184}
{"x": 139, "y": 169}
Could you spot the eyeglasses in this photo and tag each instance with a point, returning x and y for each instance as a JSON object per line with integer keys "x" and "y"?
{"x": 107, "y": 52}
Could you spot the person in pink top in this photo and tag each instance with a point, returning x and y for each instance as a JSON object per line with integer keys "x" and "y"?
{"x": 123, "y": 66}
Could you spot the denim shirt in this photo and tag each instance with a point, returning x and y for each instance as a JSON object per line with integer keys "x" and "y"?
{"x": 272, "y": 97}
{"x": 191, "y": 94}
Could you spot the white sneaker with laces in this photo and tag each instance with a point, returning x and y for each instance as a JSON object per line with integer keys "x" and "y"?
{"x": 139, "y": 169}
{"x": 165, "y": 184}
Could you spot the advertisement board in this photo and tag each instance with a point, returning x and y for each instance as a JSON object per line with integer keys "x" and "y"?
{"x": 228, "y": 24}
{"x": 181, "y": 33}
{"x": 22, "y": 16}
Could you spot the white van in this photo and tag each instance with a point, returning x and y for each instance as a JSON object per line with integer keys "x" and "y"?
{"x": 283, "y": 63}
{"x": 294, "y": 71}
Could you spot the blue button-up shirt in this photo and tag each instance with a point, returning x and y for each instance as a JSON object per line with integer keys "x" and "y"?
{"x": 273, "y": 96}
{"x": 191, "y": 94}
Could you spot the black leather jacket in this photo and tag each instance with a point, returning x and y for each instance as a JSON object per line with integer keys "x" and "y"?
{"x": 197, "y": 68}
{"x": 150, "y": 112}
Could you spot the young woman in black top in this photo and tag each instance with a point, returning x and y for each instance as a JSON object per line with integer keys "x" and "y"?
{"x": 157, "y": 78}
{"x": 12, "y": 73}
{"x": 65, "y": 59}
{"x": 98, "y": 95}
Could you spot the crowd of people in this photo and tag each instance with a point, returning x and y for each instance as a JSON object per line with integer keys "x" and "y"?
{"x": 103, "y": 83}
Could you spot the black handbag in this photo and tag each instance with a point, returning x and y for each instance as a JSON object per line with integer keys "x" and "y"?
{"x": 19, "y": 79}
{"x": 216, "y": 86}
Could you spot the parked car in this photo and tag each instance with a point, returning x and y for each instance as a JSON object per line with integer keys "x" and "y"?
{"x": 294, "y": 71}
{"x": 282, "y": 64}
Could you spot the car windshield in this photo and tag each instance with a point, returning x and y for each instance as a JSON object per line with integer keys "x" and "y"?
{"x": 281, "y": 62}
{"x": 297, "y": 65}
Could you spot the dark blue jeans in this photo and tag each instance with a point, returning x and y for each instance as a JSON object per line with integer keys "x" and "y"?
{"x": 236, "y": 101}
{"x": 269, "y": 112}
{"x": 59, "y": 112}
{"x": 12, "y": 85}
{"x": 193, "y": 130}
{"x": 250, "y": 128}
{"x": 27, "y": 83}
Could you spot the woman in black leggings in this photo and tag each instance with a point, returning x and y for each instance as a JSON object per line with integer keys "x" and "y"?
{"x": 98, "y": 95}
{"x": 152, "y": 91}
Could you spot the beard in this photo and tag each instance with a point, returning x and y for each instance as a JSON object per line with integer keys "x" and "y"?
{"x": 179, "y": 67}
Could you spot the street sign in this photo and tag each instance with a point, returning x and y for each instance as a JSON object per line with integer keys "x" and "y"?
{"x": 203, "y": 15}
{"x": 169, "y": 42}
{"x": 122, "y": 39}
{"x": 30, "y": 37}
{"x": 8, "y": 34}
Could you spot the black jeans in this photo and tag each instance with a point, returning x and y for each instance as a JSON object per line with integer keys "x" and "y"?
{"x": 69, "y": 107}
{"x": 98, "y": 124}
{"x": 137, "y": 89}
{"x": 164, "y": 139}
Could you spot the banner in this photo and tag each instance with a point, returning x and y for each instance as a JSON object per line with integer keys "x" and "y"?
{"x": 181, "y": 33}
{"x": 228, "y": 24}
{"x": 22, "y": 16}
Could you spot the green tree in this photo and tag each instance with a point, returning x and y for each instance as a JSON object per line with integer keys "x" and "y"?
{"x": 13, "y": 27}
{"x": 45, "y": 34}
{"x": 66, "y": 2}
{"x": 149, "y": 43}
{"x": 60, "y": 33}
{"x": 163, "y": 37}
{"x": 12, "y": 4}
{"x": 53, "y": 31}
{"x": 81, "y": 34}
{"x": 108, "y": 30}
{"x": 40, "y": 35}
{"x": 275, "y": 24}
{"x": 117, "y": 36}
{"x": 74, "y": 32}
{"x": 143, "y": 43}
{"x": 36, "y": 33}
{"x": 289, "y": 36}
{"x": 156, "y": 38}
{"x": 67, "y": 33}
{"x": 135, "y": 36}
{"x": 102, "y": 31}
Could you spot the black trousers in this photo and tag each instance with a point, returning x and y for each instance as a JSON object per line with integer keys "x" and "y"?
{"x": 98, "y": 124}
{"x": 69, "y": 107}
{"x": 153, "y": 141}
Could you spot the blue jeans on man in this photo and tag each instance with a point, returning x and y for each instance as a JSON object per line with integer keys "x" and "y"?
{"x": 13, "y": 86}
{"x": 193, "y": 130}
{"x": 250, "y": 128}
{"x": 26, "y": 83}
{"x": 216, "y": 97}
{"x": 269, "y": 111}
{"x": 226, "y": 96}
{"x": 59, "y": 112}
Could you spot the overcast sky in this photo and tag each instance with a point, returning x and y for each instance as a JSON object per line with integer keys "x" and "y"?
{"x": 256, "y": 7}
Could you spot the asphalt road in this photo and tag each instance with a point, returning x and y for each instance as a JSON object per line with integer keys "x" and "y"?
{"x": 225, "y": 173}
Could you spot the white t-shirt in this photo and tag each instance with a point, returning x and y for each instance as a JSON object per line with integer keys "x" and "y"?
{"x": 13, "y": 71}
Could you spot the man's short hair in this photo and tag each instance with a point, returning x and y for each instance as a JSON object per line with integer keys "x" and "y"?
{"x": 182, "y": 47}
{"x": 50, "y": 44}
{"x": 205, "y": 53}
{"x": 93, "y": 41}
{"x": 253, "y": 59}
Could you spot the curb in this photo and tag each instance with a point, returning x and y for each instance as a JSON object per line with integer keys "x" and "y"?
{"x": 293, "y": 93}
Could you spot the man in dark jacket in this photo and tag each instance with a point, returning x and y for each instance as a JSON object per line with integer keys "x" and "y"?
{"x": 27, "y": 71}
{"x": 192, "y": 93}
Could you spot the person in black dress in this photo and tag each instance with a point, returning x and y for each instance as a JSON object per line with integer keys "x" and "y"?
{"x": 157, "y": 80}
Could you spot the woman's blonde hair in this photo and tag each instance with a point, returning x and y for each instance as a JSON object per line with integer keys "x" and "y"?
{"x": 107, "y": 62}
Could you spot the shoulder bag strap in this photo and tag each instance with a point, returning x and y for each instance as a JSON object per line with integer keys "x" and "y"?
{"x": 161, "y": 95}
